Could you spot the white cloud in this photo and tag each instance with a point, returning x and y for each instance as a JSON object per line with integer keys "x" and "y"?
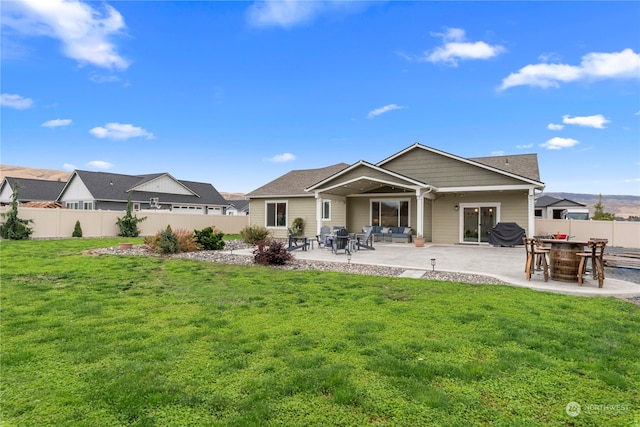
{"x": 68, "y": 167}
{"x": 594, "y": 66}
{"x": 120, "y": 131}
{"x": 455, "y": 48}
{"x": 101, "y": 78}
{"x": 383, "y": 110}
{"x": 558, "y": 143}
{"x": 281, "y": 158}
{"x": 85, "y": 32}
{"x": 638, "y": 113}
{"x": 497, "y": 153}
{"x": 289, "y": 13}
{"x": 553, "y": 126}
{"x": 15, "y": 101}
{"x": 524, "y": 146}
{"x": 56, "y": 123}
{"x": 596, "y": 121}
{"x": 99, "y": 164}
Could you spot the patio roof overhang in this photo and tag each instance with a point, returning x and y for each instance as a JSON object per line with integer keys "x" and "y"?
{"x": 367, "y": 185}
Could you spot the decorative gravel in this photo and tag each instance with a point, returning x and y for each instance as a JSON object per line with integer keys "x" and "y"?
{"x": 225, "y": 257}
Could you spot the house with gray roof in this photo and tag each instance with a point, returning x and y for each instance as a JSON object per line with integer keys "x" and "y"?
{"x": 440, "y": 196}
{"x": 110, "y": 191}
{"x": 29, "y": 190}
{"x": 237, "y": 207}
{"x": 549, "y": 207}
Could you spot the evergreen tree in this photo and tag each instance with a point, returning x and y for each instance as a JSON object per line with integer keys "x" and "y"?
{"x": 599, "y": 213}
{"x": 15, "y": 228}
{"x": 129, "y": 223}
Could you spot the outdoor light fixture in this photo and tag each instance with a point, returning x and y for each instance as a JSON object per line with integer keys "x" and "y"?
{"x": 349, "y": 258}
{"x": 433, "y": 264}
{"x": 456, "y": 207}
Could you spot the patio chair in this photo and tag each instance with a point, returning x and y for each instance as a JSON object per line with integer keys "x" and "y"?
{"x": 535, "y": 255}
{"x": 322, "y": 237}
{"x": 365, "y": 240}
{"x": 296, "y": 242}
{"x": 341, "y": 241}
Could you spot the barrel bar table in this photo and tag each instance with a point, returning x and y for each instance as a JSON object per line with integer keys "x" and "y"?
{"x": 563, "y": 258}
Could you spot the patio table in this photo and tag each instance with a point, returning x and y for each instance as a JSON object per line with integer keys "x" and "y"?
{"x": 564, "y": 259}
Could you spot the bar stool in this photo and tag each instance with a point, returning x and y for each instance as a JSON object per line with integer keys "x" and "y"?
{"x": 596, "y": 254}
{"x": 536, "y": 255}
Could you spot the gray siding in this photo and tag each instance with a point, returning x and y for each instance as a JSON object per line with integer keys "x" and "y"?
{"x": 302, "y": 207}
{"x": 442, "y": 171}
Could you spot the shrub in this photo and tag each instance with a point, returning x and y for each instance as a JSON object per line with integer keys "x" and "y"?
{"x": 272, "y": 253}
{"x": 210, "y": 238}
{"x": 254, "y": 234}
{"x": 15, "y": 228}
{"x": 162, "y": 241}
{"x": 168, "y": 242}
{"x": 297, "y": 226}
{"x": 77, "y": 230}
{"x": 129, "y": 223}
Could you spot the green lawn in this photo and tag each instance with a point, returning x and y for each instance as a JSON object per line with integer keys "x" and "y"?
{"x": 120, "y": 340}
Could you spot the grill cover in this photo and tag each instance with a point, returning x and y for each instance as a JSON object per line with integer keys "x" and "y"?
{"x": 506, "y": 234}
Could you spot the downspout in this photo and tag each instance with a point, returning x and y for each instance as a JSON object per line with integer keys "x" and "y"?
{"x": 420, "y": 209}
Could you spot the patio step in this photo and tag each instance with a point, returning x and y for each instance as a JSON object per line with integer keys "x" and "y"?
{"x": 414, "y": 274}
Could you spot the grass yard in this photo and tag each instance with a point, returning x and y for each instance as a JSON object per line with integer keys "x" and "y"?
{"x": 142, "y": 341}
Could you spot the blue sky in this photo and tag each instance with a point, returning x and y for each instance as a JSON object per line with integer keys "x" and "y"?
{"x": 239, "y": 93}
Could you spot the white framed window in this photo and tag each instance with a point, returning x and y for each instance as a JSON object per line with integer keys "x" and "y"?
{"x": 136, "y": 206}
{"x": 276, "y": 214}
{"x": 326, "y": 210}
{"x": 72, "y": 205}
{"x": 390, "y": 213}
{"x": 87, "y": 206}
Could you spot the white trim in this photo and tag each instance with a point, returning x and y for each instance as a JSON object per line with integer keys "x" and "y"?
{"x": 322, "y": 217}
{"x": 394, "y": 199}
{"x": 370, "y": 166}
{"x": 286, "y": 216}
{"x": 462, "y": 206}
{"x": 485, "y": 188}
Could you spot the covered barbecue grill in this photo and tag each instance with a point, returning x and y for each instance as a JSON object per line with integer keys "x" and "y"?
{"x": 506, "y": 234}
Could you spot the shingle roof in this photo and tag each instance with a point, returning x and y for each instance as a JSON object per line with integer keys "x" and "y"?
{"x": 294, "y": 182}
{"x": 525, "y": 165}
{"x": 239, "y": 204}
{"x": 112, "y": 186}
{"x": 545, "y": 201}
{"x": 36, "y": 190}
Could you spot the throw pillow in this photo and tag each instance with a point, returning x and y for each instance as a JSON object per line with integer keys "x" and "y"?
{"x": 385, "y": 230}
{"x": 407, "y": 230}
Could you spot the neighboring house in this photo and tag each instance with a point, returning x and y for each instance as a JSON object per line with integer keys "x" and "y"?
{"x": 442, "y": 197}
{"x": 29, "y": 190}
{"x": 110, "y": 191}
{"x": 549, "y": 207}
{"x": 238, "y": 207}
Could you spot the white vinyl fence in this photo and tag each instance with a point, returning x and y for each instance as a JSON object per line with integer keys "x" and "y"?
{"x": 59, "y": 223}
{"x": 624, "y": 234}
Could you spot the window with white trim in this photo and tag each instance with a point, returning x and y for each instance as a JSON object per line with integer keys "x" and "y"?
{"x": 276, "y": 214}
{"x": 390, "y": 213}
{"x": 87, "y": 206}
{"x": 326, "y": 210}
{"x": 72, "y": 205}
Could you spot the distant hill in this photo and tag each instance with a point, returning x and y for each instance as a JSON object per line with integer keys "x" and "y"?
{"x": 31, "y": 173}
{"x": 621, "y": 206}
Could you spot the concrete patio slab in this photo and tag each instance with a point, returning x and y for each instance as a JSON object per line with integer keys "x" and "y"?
{"x": 503, "y": 263}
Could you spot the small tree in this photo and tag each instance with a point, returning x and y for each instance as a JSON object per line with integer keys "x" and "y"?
{"x": 15, "y": 228}
{"x": 77, "y": 230}
{"x": 599, "y": 213}
{"x": 129, "y": 223}
{"x": 297, "y": 226}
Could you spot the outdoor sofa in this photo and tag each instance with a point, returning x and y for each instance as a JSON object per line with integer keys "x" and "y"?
{"x": 392, "y": 234}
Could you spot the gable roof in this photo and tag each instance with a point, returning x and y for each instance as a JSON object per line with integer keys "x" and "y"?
{"x": 548, "y": 201}
{"x": 293, "y": 183}
{"x": 239, "y": 205}
{"x": 35, "y": 190}
{"x": 522, "y": 167}
{"x": 108, "y": 186}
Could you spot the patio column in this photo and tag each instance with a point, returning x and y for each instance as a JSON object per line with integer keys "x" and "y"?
{"x": 532, "y": 213}
{"x": 318, "y": 212}
{"x": 420, "y": 213}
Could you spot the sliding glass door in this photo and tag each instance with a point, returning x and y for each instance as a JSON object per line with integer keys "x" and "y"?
{"x": 477, "y": 221}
